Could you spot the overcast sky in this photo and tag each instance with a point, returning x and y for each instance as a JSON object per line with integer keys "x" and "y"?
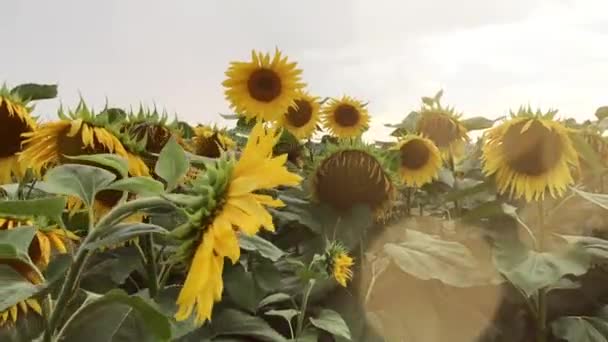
{"x": 488, "y": 56}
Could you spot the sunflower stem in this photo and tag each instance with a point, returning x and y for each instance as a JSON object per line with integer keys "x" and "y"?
{"x": 541, "y": 332}
{"x": 150, "y": 264}
{"x": 303, "y": 308}
{"x": 453, "y": 169}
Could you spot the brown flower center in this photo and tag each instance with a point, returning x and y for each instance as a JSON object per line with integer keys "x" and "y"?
{"x": 346, "y": 115}
{"x": 73, "y": 146}
{"x": 208, "y": 147}
{"x": 109, "y": 198}
{"x": 11, "y": 127}
{"x": 264, "y": 85}
{"x": 440, "y": 128}
{"x": 352, "y": 177}
{"x": 533, "y": 152}
{"x": 414, "y": 154}
{"x": 157, "y": 136}
{"x": 299, "y": 114}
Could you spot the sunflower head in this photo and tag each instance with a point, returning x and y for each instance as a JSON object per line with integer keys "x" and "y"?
{"x": 339, "y": 263}
{"x": 419, "y": 160}
{"x": 443, "y": 127}
{"x": 152, "y": 128}
{"x": 263, "y": 88}
{"x": 351, "y": 174}
{"x": 529, "y": 155}
{"x": 78, "y": 132}
{"x": 302, "y": 117}
{"x": 12, "y": 313}
{"x": 346, "y": 117}
{"x": 211, "y": 141}
{"x": 15, "y": 120}
{"x": 290, "y": 145}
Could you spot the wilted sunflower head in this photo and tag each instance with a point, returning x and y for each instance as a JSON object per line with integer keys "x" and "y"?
{"x": 443, "y": 127}
{"x": 530, "y": 154}
{"x": 77, "y": 132}
{"x": 15, "y": 120}
{"x": 211, "y": 142}
{"x": 302, "y": 117}
{"x": 346, "y": 117}
{"x": 263, "y": 88}
{"x": 419, "y": 160}
{"x": 349, "y": 175}
{"x": 152, "y": 128}
{"x": 339, "y": 263}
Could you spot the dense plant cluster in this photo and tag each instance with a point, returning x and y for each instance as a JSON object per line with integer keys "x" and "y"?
{"x": 123, "y": 225}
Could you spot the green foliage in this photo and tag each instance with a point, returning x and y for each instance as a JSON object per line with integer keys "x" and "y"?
{"x": 33, "y": 91}
{"x": 172, "y": 164}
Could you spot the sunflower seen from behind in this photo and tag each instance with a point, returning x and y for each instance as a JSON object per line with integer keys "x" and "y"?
{"x": 419, "y": 160}
{"x": 225, "y": 201}
{"x": 530, "y": 155}
{"x": 302, "y": 117}
{"x": 15, "y": 120}
{"x": 264, "y": 87}
{"x": 346, "y": 117}
{"x": 443, "y": 127}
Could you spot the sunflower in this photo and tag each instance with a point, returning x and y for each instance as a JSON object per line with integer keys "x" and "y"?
{"x": 349, "y": 175}
{"x": 339, "y": 263}
{"x": 225, "y": 201}
{"x": 45, "y": 241}
{"x": 443, "y": 127}
{"x": 345, "y": 117}
{"x": 419, "y": 160}
{"x": 263, "y": 88}
{"x": 210, "y": 141}
{"x": 302, "y": 117}
{"x": 529, "y": 155}
{"x": 14, "y": 120}
{"x": 23, "y": 308}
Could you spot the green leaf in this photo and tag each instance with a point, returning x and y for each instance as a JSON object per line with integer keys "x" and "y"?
{"x": 479, "y": 122}
{"x": 186, "y": 129}
{"x": 255, "y": 243}
{"x": 530, "y": 270}
{"x": 591, "y": 157}
{"x": 116, "y": 316}
{"x": 597, "y": 248}
{"x": 33, "y": 91}
{"x": 407, "y": 125}
{"x": 82, "y": 181}
{"x": 287, "y": 314}
{"x": 581, "y": 329}
{"x": 172, "y": 164}
{"x": 237, "y": 323}
{"x": 427, "y": 257}
{"x": 27, "y": 328}
{"x": 446, "y": 177}
{"x": 50, "y": 207}
{"x": 144, "y": 186}
{"x": 13, "y": 287}
{"x": 15, "y": 243}
{"x": 601, "y": 112}
{"x": 123, "y": 232}
{"x": 241, "y": 288}
{"x": 267, "y": 275}
{"x": 331, "y": 322}
{"x": 599, "y": 199}
{"x": 429, "y": 101}
{"x": 274, "y": 299}
{"x": 111, "y": 161}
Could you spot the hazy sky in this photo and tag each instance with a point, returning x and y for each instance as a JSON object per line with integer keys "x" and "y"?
{"x": 488, "y": 56}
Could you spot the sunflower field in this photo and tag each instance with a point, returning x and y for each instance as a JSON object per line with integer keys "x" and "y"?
{"x": 131, "y": 225}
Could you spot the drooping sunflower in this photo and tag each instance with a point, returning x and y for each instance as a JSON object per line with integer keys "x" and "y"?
{"x": 339, "y": 263}
{"x": 151, "y": 127}
{"x": 28, "y": 306}
{"x": 211, "y": 141}
{"x": 224, "y": 201}
{"x": 263, "y": 88}
{"x": 15, "y": 119}
{"x": 45, "y": 241}
{"x": 302, "y": 117}
{"x": 419, "y": 160}
{"x": 443, "y": 127}
{"x": 352, "y": 174}
{"x": 76, "y": 133}
{"x": 346, "y": 117}
{"x": 529, "y": 155}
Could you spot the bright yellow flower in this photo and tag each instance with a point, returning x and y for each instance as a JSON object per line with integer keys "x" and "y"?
{"x": 420, "y": 160}
{"x": 530, "y": 155}
{"x": 302, "y": 117}
{"x": 15, "y": 119}
{"x": 239, "y": 208}
{"x": 345, "y": 117}
{"x": 263, "y": 88}
{"x": 341, "y": 265}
